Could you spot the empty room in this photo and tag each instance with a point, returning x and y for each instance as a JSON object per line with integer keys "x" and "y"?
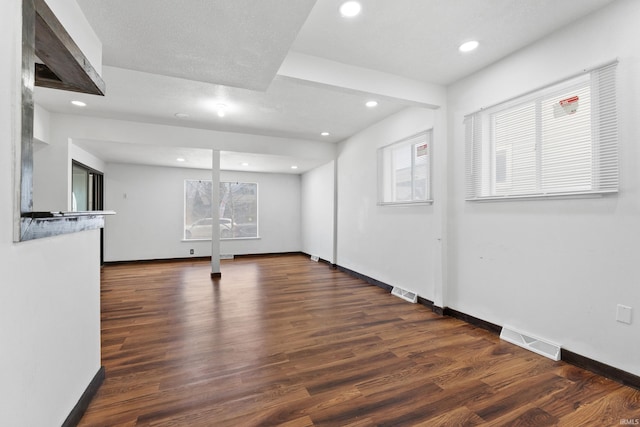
{"x": 428, "y": 212}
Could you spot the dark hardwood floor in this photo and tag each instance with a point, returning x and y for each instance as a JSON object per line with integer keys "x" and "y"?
{"x": 285, "y": 341}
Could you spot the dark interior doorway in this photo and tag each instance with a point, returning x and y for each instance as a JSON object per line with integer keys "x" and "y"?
{"x": 87, "y": 193}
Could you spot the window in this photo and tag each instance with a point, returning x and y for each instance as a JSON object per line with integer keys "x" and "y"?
{"x": 404, "y": 170}
{"x": 86, "y": 188}
{"x": 238, "y": 210}
{"x": 557, "y": 141}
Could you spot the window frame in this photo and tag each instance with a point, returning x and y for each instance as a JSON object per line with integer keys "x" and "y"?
{"x": 184, "y": 217}
{"x": 387, "y": 173}
{"x": 257, "y": 221}
{"x": 481, "y": 148}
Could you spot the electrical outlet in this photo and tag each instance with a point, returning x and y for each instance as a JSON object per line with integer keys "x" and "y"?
{"x": 623, "y": 314}
{"x": 191, "y": 251}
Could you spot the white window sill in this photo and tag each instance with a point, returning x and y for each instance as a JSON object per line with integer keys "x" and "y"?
{"x": 226, "y": 239}
{"x": 420, "y": 203}
{"x": 586, "y": 195}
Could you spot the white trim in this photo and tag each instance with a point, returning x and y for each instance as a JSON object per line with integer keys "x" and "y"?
{"x": 416, "y": 203}
{"x": 585, "y": 195}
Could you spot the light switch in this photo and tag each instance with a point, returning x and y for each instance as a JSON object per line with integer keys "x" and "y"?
{"x": 623, "y": 314}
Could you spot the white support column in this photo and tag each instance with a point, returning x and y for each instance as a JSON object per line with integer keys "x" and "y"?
{"x": 440, "y": 211}
{"x": 334, "y": 261}
{"x": 215, "y": 214}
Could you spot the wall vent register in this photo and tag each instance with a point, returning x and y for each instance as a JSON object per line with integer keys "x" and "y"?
{"x": 525, "y": 340}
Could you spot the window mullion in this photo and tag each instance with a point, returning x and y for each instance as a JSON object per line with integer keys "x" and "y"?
{"x": 492, "y": 159}
{"x": 412, "y": 172}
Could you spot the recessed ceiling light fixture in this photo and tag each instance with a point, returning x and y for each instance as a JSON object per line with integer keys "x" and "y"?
{"x": 371, "y": 104}
{"x": 181, "y": 115}
{"x": 294, "y": 167}
{"x": 244, "y": 164}
{"x": 180, "y": 159}
{"x": 349, "y": 9}
{"x": 469, "y": 46}
{"x": 221, "y": 110}
{"x": 79, "y": 103}
{"x": 325, "y": 134}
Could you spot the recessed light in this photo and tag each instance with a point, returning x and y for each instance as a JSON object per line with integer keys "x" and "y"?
{"x": 244, "y": 164}
{"x": 294, "y": 167}
{"x": 79, "y": 103}
{"x": 349, "y": 9}
{"x": 181, "y": 115}
{"x": 180, "y": 159}
{"x": 325, "y": 134}
{"x": 221, "y": 110}
{"x": 371, "y": 104}
{"x": 469, "y": 46}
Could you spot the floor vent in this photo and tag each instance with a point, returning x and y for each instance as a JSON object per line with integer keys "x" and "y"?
{"x": 537, "y": 345}
{"x": 226, "y": 256}
{"x": 315, "y": 258}
{"x": 404, "y": 294}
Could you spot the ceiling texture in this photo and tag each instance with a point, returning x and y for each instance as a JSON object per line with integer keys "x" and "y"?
{"x": 168, "y": 57}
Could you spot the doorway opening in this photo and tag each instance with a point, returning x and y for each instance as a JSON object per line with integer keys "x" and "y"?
{"x": 87, "y": 193}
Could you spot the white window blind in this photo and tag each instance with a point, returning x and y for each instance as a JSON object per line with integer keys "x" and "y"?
{"x": 559, "y": 140}
{"x": 404, "y": 170}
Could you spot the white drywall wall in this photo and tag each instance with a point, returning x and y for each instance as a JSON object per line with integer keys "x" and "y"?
{"x": 393, "y": 244}
{"x": 318, "y": 209}
{"x": 50, "y": 288}
{"x": 52, "y": 161}
{"x": 41, "y": 124}
{"x": 279, "y": 219}
{"x": 79, "y": 155}
{"x": 149, "y": 205}
{"x": 554, "y": 268}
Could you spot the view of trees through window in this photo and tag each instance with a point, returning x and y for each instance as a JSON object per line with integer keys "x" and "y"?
{"x": 237, "y": 212}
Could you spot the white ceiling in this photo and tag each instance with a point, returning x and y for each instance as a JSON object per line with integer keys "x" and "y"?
{"x": 233, "y": 43}
{"x": 419, "y": 39}
{"x": 163, "y": 57}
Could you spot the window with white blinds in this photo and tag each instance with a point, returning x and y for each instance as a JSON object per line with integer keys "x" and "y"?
{"x": 404, "y": 171}
{"x": 557, "y": 141}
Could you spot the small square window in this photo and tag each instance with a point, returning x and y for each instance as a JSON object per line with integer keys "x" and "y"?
{"x": 404, "y": 170}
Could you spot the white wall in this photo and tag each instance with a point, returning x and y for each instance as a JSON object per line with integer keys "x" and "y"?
{"x": 51, "y": 165}
{"x": 393, "y": 244}
{"x": 49, "y": 296}
{"x": 554, "y": 268}
{"x": 78, "y": 154}
{"x": 149, "y": 205}
{"x": 279, "y": 220}
{"x": 318, "y": 211}
{"x": 52, "y": 169}
{"x": 41, "y": 124}
{"x": 52, "y": 161}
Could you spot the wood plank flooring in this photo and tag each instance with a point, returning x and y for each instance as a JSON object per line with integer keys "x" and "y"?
{"x": 285, "y": 341}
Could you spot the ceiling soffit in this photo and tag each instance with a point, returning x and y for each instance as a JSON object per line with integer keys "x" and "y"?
{"x": 239, "y": 43}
